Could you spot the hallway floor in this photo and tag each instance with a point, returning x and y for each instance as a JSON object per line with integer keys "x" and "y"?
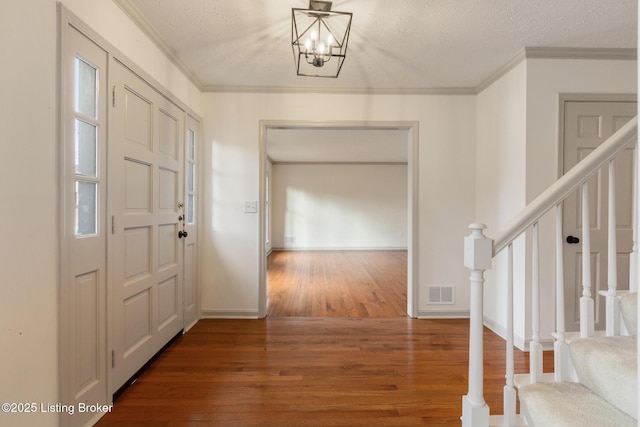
{"x": 314, "y": 372}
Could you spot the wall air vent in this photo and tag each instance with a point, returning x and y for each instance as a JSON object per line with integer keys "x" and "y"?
{"x": 441, "y": 295}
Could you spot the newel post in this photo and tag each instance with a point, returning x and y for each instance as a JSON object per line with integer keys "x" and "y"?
{"x": 477, "y": 258}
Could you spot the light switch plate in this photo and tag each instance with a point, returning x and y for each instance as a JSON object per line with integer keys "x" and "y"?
{"x": 250, "y": 206}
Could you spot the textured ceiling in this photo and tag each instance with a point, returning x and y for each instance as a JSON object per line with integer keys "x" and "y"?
{"x": 404, "y": 46}
{"x": 395, "y": 44}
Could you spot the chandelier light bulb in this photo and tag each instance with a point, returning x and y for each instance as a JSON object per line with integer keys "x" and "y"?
{"x": 314, "y": 35}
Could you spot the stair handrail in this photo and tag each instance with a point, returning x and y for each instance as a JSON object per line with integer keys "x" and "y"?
{"x": 560, "y": 189}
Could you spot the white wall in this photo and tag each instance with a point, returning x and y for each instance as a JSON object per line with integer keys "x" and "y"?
{"x": 28, "y": 185}
{"x": 446, "y": 184}
{"x": 28, "y": 305}
{"x": 501, "y": 183}
{"x": 340, "y": 206}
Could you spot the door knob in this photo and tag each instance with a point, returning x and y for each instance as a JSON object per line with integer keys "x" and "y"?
{"x": 182, "y": 234}
{"x": 573, "y": 240}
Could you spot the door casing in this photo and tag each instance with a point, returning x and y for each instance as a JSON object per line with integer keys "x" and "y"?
{"x": 412, "y": 209}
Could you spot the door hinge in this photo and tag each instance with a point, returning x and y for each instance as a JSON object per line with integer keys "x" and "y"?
{"x": 113, "y": 224}
{"x": 113, "y": 96}
{"x": 113, "y": 358}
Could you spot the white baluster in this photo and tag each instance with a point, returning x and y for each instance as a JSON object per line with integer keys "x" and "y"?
{"x": 586, "y": 301}
{"x": 535, "y": 348}
{"x": 613, "y": 304}
{"x": 509, "y": 392}
{"x": 560, "y": 347}
{"x": 477, "y": 258}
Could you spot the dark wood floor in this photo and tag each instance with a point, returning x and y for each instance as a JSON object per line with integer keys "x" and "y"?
{"x": 313, "y": 372}
{"x": 359, "y": 362}
{"x": 337, "y": 284}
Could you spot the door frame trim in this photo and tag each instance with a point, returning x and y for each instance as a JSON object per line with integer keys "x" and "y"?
{"x": 412, "y": 209}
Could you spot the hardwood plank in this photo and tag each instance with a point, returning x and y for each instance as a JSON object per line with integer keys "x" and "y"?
{"x": 337, "y": 284}
{"x": 314, "y": 372}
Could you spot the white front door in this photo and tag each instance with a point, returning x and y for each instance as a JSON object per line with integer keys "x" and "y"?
{"x": 146, "y": 200}
{"x": 586, "y": 126}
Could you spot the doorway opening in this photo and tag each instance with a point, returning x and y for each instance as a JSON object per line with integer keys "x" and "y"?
{"x": 406, "y": 133}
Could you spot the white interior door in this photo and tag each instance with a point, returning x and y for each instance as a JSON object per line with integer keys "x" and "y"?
{"x": 586, "y": 126}
{"x": 146, "y": 200}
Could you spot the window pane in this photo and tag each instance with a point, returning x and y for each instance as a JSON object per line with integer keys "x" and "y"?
{"x": 86, "y": 208}
{"x": 86, "y": 89}
{"x": 192, "y": 145}
{"x": 85, "y": 155}
{"x": 190, "y": 176}
{"x": 190, "y": 208}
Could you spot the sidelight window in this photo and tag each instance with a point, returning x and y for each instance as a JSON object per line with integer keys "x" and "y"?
{"x": 191, "y": 176}
{"x": 86, "y": 149}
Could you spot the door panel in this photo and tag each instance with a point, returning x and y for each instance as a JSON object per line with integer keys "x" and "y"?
{"x": 146, "y": 171}
{"x": 586, "y": 126}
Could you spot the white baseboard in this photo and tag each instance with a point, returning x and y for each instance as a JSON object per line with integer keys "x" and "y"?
{"x": 518, "y": 340}
{"x": 442, "y": 314}
{"x": 501, "y": 331}
{"x": 186, "y": 329}
{"x": 230, "y": 314}
{"x": 336, "y": 248}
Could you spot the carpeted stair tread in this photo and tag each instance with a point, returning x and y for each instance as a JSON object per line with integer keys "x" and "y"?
{"x": 569, "y": 405}
{"x": 608, "y": 367}
{"x": 629, "y": 309}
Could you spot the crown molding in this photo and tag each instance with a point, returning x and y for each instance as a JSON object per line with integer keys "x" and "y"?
{"x": 496, "y": 75}
{"x": 145, "y": 26}
{"x": 341, "y": 90}
{"x": 336, "y": 163}
{"x": 620, "y": 54}
{"x": 624, "y": 54}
